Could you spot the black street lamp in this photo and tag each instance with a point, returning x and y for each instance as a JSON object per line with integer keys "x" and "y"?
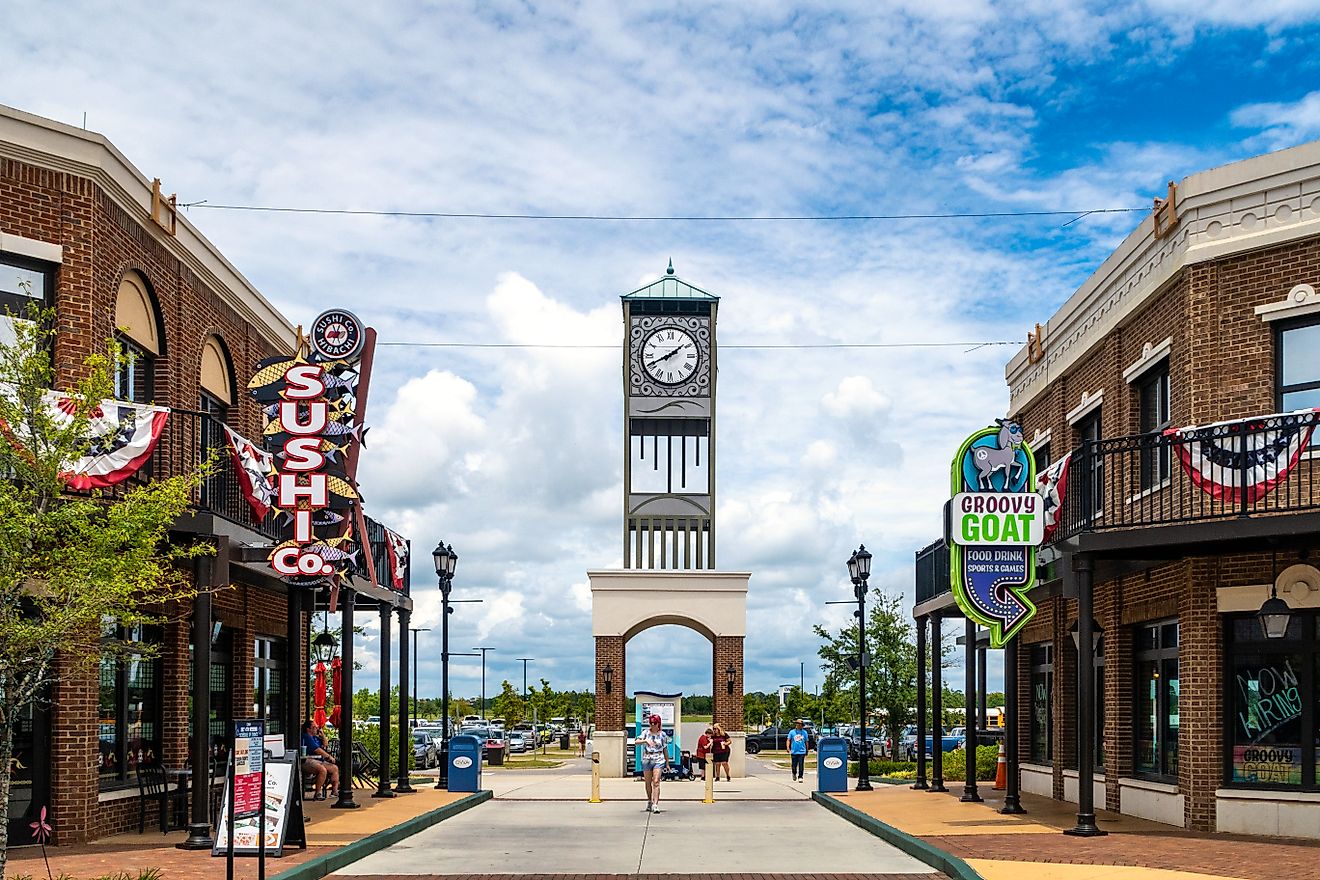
{"x": 323, "y": 646}
{"x": 859, "y": 570}
{"x": 446, "y": 563}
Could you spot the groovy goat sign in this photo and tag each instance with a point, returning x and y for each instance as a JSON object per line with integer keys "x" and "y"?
{"x": 995, "y": 523}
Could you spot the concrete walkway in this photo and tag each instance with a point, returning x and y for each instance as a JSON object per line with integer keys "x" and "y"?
{"x": 541, "y": 823}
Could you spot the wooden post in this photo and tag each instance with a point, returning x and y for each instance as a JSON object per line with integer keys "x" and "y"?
{"x": 710, "y": 782}
{"x": 595, "y": 777}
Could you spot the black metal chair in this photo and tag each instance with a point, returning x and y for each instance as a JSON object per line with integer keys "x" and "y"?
{"x": 366, "y": 769}
{"x": 153, "y": 786}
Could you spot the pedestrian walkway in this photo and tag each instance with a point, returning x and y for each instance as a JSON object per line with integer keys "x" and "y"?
{"x": 1001, "y": 847}
{"x": 132, "y": 852}
{"x": 542, "y": 824}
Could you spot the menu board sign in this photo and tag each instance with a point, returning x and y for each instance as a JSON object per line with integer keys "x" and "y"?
{"x": 249, "y": 737}
{"x": 284, "y": 818}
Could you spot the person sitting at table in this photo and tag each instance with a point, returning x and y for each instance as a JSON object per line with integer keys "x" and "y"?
{"x": 317, "y": 761}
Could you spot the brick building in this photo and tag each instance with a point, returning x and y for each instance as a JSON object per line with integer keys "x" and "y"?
{"x": 86, "y": 233}
{"x": 1206, "y": 315}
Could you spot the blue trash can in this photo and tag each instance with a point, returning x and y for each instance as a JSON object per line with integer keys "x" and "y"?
{"x": 831, "y": 764}
{"x": 465, "y": 763}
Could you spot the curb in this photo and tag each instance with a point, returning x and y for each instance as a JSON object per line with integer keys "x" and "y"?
{"x": 321, "y": 866}
{"x": 952, "y": 866}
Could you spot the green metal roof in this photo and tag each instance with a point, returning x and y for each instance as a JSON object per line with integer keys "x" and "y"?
{"x": 670, "y": 287}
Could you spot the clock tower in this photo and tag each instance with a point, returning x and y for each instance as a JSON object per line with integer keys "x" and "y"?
{"x": 669, "y": 373}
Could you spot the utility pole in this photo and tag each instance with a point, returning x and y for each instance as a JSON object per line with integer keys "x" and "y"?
{"x": 415, "y": 657}
{"x": 483, "y": 678}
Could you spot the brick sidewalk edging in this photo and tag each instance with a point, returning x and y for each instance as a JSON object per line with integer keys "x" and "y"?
{"x": 952, "y": 866}
{"x": 321, "y": 866}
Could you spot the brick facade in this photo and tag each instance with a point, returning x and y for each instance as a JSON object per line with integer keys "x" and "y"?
{"x": 102, "y": 241}
{"x": 1221, "y": 366}
{"x": 728, "y": 708}
{"x": 611, "y": 651}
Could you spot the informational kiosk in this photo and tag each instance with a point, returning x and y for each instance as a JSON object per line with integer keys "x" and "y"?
{"x": 670, "y": 709}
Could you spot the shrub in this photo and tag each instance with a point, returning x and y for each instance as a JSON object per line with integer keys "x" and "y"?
{"x": 987, "y": 761}
{"x": 369, "y": 736}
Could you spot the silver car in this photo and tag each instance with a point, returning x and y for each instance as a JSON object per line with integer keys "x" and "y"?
{"x": 516, "y": 742}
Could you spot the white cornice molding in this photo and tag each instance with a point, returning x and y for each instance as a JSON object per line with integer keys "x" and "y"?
{"x": 1150, "y": 356}
{"x": 1301, "y": 301}
{"x": 1090, "y": 402}
{"x": 1040, "y": 438}
{"x": 31, "y": 247}
{"x": 45, "y": 143}
{"x": 1256, "y": 203}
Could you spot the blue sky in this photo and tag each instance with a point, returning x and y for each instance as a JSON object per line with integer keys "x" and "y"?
{"x": 514, "y": 456}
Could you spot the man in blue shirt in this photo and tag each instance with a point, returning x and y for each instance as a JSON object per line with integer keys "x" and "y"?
{"x": 317, "y": 761}
{"x": 797, "y": 749}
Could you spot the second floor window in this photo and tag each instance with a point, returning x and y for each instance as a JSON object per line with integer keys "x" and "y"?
{"x": 1088, "y": 434}
{"x": 1297, "y": 383}
{"x": 1152, "y": 419}
{"x": 133, "y": 377}
{"x": 23, "y": 283}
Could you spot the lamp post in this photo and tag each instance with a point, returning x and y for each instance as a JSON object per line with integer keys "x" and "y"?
{"x": 416, "y": 657}
{"x": 446, "y": 563}
{"x": 859, "y": 571}
{"x": 483, "y": 678}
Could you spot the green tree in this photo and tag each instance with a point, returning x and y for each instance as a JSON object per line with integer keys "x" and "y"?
{"x": 759, "y": 709}
{"x": 508, "y": 705}
{"x": 72, "y": 567}
{"x": 799, "y": 704}
{"x": 891, "y": 676}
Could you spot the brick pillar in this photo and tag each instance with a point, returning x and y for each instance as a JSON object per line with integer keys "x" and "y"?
{"x": 1118, "y": 693}
{"x": 174, "y": 662}
{"x": 74, "y": 782}
{"x": 1065, "y": 692}
{"x": 242, "y": 647}
{"x": 610, "y": 651}
{"x": 1200, "y": 657}
{"x": 728, "y": 709}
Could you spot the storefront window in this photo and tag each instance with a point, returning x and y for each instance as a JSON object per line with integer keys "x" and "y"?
{"x": 1273, "y": 710}
{"x": 268, "y": 682}
{"x": 129, "y": 702}
{"x": 1042, "y": 695}
{"x": 1156, "y": 723}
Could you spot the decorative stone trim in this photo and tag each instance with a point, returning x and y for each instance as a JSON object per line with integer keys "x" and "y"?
{"x": 1040, "y": 438}
{"x": 1150, "y": 356}
{"x": 1302, "y": 300}
{"x": 1090, "y": 402}
{"x": 31, "y": 248}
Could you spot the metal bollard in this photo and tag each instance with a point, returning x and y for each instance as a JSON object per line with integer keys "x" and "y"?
{"x": 710, "y": 782}
{"x": 595, "y": 777}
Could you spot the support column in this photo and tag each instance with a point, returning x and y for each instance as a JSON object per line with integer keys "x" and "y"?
{"x": 346, "y": 802}
{"x": 1084, "y": 566}
{"x": 610, "y": 740}
{"x": 209, "y": 570}
{"x": 403, "y": 787}
{"x": 386, "y": 619}
{"x": 936, "y": 703}
{"x": 981, "y": 714}
{"x": 294, "y": 671}
{"x": 970, "y": 793}
{"x": 728, "y": 700}
{"x": 921, "y": 706}
{"x": 1012, "y": 799}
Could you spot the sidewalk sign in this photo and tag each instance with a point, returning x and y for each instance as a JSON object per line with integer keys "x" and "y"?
{"x": 285, "y": 825}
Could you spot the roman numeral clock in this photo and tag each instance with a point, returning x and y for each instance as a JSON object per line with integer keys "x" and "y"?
{"x": 669, "y": 372}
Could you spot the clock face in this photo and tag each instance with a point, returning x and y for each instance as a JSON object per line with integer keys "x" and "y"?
{"x": 337, "y": 334}
{"x": 670, "y": 355}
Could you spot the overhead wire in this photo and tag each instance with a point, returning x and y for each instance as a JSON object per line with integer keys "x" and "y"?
{"x": 723, "y": 346}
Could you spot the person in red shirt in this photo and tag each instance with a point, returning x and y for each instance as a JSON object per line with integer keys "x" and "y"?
{"x": 703, "y": 749}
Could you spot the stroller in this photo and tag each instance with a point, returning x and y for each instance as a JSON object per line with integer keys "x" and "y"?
{"x": 680, "y": 769}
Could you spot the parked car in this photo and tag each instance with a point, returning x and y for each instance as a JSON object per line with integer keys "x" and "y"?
{"x": 948, "y": 743}
{"x": 907, "y": 743}
{"x": 425, "y": 754}
{"x": 517, "y": 742}
{"x": 774, "y": 738}
{"x": 855, "y": 743}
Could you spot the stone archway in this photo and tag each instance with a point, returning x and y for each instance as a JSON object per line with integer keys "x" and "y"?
{"x": 625, "y": 603}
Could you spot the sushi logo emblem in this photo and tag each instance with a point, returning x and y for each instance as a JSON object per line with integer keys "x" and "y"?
{"x": 337, "y": 334}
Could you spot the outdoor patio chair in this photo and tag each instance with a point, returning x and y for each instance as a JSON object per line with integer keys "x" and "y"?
{"x": 152, "y": 786}
{"x": 365, "y": 768}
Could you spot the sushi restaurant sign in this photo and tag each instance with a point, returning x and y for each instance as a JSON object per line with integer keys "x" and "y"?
{"x": 995, "y": 523}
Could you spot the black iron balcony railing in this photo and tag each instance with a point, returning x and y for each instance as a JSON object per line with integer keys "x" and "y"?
{"x": 932, "y": 571}
{"x": 190, "y": 438}
{"x": 1252, "y": 467}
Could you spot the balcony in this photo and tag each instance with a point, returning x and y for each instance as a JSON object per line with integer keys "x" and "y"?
{"x": 190, "y": 438}
{"x": 1167, "y": 495}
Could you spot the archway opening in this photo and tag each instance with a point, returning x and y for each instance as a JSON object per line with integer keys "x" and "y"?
{"x": 668, "y": 659}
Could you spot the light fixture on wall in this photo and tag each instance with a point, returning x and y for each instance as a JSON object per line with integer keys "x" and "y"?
{"x": 1097, "y": 633}
{"x": 608, "y": 675}
{"x": 730, "y": 675}
{"x": 1274, "y": 614}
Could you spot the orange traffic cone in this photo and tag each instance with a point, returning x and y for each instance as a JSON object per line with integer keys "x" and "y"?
{"x": 1001, "y": 771}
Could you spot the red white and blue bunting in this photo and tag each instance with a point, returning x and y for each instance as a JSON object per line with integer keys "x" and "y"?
{"x": 123, "y": 436}
{"x": 1052, "y": 485}
{"x": 256, "y": 472}
{"x": 1215, "y": 458}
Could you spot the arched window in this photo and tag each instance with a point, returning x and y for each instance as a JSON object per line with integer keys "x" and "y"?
{"x": 215, "y": 398}
{"x": 137, "y": 329}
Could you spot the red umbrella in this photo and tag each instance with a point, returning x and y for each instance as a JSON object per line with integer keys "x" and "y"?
{"x": 334, "y": 688}
{"x": 318, "y": 695}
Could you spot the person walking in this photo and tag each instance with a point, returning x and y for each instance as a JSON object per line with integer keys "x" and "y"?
{"x": 582, "y": 742}
{"x": 720, "y": 744}
{"x": 655, "y": 757}
{"x": 798, "y": 741}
